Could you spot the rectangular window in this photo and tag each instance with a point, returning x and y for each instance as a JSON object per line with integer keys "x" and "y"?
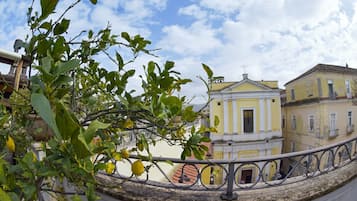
{"x": 283, "y": 122}
{"x": 331, "y": 93}
{"x": 349, "y": 118}
{"x": 292, "y": 146}
{"x": 319, "y": 88}
{"x": 248, "y": 123}
{"x": 311, "y": 123}
{"x": 348, "y": 89}
{"x": 292, "y": 94}
{"x": 309, "y": 88}
{"x": 293, "y": 122}
{"x": 333, "y": 130}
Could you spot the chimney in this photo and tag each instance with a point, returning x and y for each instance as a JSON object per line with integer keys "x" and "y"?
{"x": 245, "y": 76}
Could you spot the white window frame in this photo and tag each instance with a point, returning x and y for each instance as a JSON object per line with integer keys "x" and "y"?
{"x": 328, "y": 88}
{"x": 348, "y": 89}
{"x": 293, "y": 122}
{"x": 311, "y": 128}
{"x": 292, "y": 146}
{"x": 349, "y": 118}
{"x": 283, "y": 122}
{"x": 292, "y": 91}
{"x": 332, "y": 124}
{"x": 254, "y": 119}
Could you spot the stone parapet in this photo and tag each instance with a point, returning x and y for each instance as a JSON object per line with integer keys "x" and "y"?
{"x": 308, "y": 189}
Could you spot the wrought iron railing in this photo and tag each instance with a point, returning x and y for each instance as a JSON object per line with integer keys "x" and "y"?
{"x": 227, "y": 176}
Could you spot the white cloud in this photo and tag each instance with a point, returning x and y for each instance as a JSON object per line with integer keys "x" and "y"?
{"x": 268, "y": 39}
{"x": 197, "y": 39}
{"x": 193, "y": 10}
{"x": 226, "y": 6}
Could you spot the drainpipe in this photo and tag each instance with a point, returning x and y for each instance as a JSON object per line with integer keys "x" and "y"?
{"x": 10, "y": 55}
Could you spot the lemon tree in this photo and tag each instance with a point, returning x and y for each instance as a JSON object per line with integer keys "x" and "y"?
{"x": 87, "y": 109}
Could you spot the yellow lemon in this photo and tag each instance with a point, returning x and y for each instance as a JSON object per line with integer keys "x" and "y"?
{"x": 128, "y": 123}
{"x": 124, "y": 153}
{"x": 137, "y": 168}
{"x": 10, "y": 144}
{"x": 109, "y": 168}
{"x": 117, "y": 156}
{"x": 34, "y": 157}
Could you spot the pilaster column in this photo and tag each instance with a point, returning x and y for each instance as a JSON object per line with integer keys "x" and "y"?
{"x": 262, "y": 115}
{"x": 269, "y": 113}
{"x": 235, "y": 119}
{"x": 225, "y": 116}
{"x": 211, "y": 115}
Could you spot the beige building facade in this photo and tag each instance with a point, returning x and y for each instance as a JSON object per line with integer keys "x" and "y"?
{"x": 319, "y": 108}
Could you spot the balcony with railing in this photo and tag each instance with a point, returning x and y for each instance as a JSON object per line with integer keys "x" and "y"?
{"x": 221, "y": 179}
{"x": 350, "y": 129}
{"x": 332, "y": 133}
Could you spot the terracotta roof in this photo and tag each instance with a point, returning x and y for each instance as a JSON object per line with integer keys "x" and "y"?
{"x": 189, "y": 175}
{"x": 190, "y": 172}
{"x": 326, "y": 68}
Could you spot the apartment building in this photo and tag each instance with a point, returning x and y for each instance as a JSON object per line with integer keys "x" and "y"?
{"x": 319, "y": 108}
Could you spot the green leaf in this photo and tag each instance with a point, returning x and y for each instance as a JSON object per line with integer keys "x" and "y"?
{"x": 61, "y": 27}
{"x": 46, "y": 25}
{"x": 120, "y": 61}
{"x": 77, "y": 197}
{"x": 197, "y": 154}
{"x": 81, "y": 147}
{"x": 2, "y": 172}
{"x": 195, "y": 139}
{"x": 90, "y": 193}
{"x": 93, "y": 1}
{"x": 92, "y": 129}
{"x": 64, "y": 67}
{"x": 90, "y": 34}
{"x": 205, "y": 139}
{"x": 46, "y": 64}
{"x": 4, "y": 196}
{"x": 42, "y": 106}
{"x": 128, "y": 74}
{"x": 47, "y": 7}
{"x": 29, "y": 191}
{"x": 169, "y": 65}
{"x": 151, "y": 67}
{"x": 67, "y": 123}
{"x": 126, "y": 36}
{"x": 208, "y": 70}
{"x": 188, "y": 114}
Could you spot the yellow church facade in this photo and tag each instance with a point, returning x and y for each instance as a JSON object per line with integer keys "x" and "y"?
{"x": 249, "y": 113}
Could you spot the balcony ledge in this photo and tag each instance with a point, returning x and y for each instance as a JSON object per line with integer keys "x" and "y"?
{"x": 308, "y": 189}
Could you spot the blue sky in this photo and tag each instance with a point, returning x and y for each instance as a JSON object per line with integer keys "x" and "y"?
{"x": 268, "y": 39}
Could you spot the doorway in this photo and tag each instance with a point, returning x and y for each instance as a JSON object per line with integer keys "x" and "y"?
{"x": 247, "y": 176}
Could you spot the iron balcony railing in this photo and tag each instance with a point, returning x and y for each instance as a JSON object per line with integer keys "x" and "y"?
{"x": 227, "y": 175}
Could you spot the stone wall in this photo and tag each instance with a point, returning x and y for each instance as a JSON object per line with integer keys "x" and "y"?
{"x": 304, "y": 190}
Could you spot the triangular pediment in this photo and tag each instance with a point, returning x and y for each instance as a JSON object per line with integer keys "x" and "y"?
{"x": 246, "y": 85}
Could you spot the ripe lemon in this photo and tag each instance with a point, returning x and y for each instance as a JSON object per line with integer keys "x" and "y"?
{"x": 137, "y": 168}
{"x": 117, "y": 156}
{"x": 10, "y": 144}
{"x": 124, "y": 153}
{"x": 109, "y": 168}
